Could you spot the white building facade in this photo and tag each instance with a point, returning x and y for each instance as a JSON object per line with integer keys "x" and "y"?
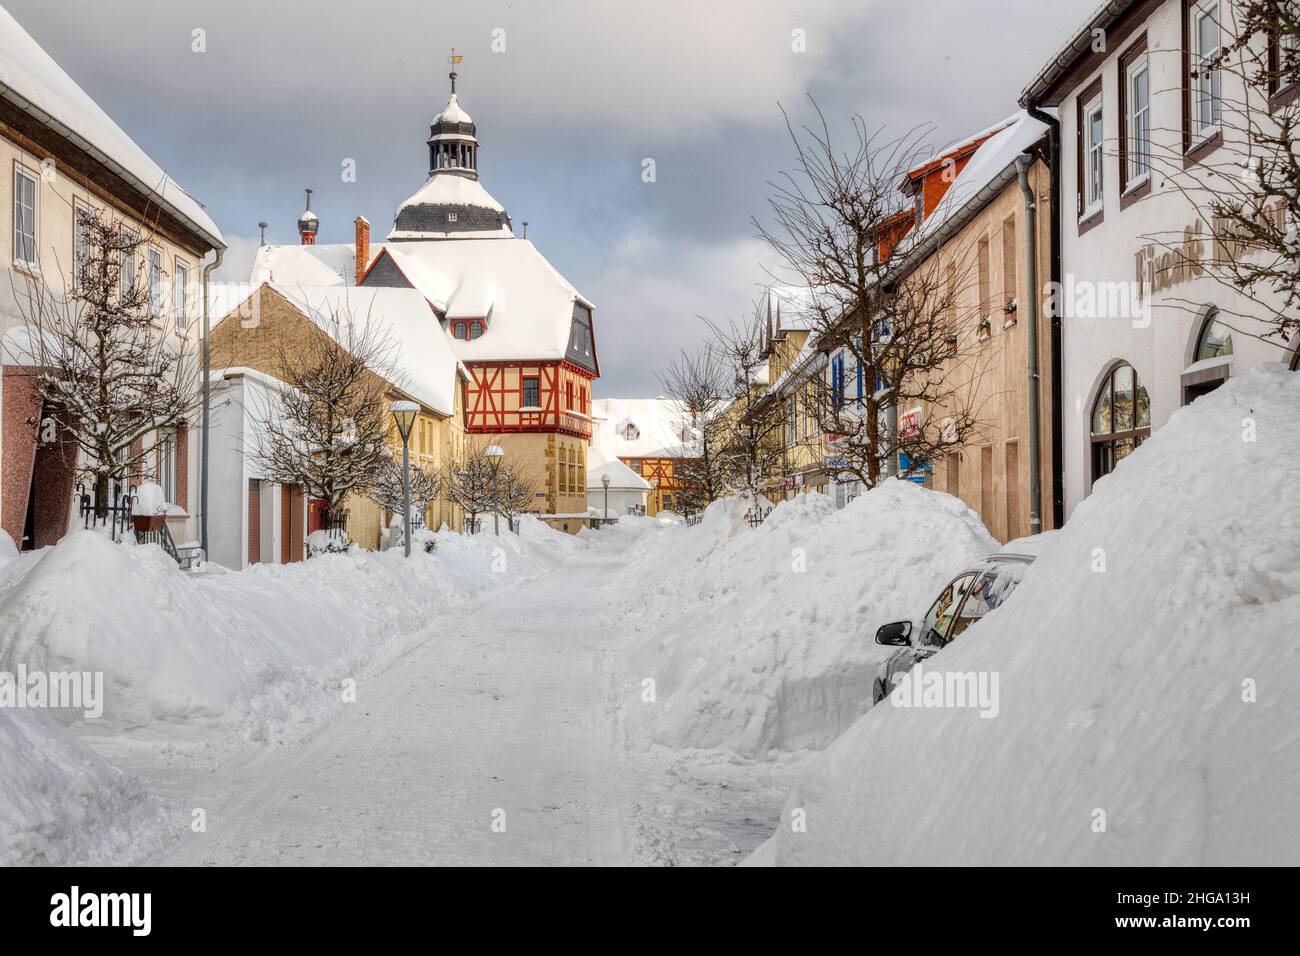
{"x": 1146, "y": 324}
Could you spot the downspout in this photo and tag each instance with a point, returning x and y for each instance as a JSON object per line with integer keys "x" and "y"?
{"x": 1053, "y": 125}
{"x": 1023, "y": 162}
{"x": 207, "y": 402}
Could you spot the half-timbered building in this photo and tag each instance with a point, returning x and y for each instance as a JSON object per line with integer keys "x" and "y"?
{"x": 524, "y": 333}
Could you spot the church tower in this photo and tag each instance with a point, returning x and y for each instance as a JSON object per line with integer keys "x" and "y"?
{"x": 451, "y": 204}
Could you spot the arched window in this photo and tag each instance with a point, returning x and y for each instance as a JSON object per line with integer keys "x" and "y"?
{"x": 1121, "y": 419}
{"x": 1209, "y": 367}
{"x": 475, "y": 329}
{"x": 1215, "y": 340}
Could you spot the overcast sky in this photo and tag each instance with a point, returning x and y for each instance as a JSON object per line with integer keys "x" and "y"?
{"x": 581, "y": 94}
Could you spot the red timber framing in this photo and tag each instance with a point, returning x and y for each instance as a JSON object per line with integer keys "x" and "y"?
{"x": 495, "y": 403}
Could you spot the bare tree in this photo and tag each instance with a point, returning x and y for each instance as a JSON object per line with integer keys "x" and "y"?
{"x": 327, "y": 429}
{"x": 698, "y": 382}
{"x": 113, "y": 368}
{"x": 516, "y": 490}
{"x": 841, "y": 230}
{"x": 753, "y": 452}
{"x": 1247, "y": 191}
{"x": 470, "y": 481}
{"x": 387, "y": 492}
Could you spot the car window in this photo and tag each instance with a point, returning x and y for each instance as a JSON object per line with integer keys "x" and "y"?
{"x": 986, "y": 594}
{"x": 940, "y": 615}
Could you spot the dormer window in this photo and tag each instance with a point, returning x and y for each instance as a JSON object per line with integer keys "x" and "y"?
{"x": 631, "y": 432}
{"x": 467, "y": 330}
{"x": 451, "y": 217}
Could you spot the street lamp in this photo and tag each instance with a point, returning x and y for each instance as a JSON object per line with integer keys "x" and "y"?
{"x": 404, "y": 414}
{"x": 604, "y": 480}
{"x": 494, "y": 454}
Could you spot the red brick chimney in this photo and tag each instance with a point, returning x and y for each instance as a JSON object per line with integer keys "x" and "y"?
{"x": 362, "y": 246}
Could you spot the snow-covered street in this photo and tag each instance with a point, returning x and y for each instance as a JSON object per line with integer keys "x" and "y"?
{"x": 500, "y": 713}
{"x": 488, "y": 738}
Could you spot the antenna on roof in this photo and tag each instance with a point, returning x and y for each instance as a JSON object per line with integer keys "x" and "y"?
{"x": 525, "y": 229}
{"x": 262, "y": 226}
{"x": 453, "y": 60}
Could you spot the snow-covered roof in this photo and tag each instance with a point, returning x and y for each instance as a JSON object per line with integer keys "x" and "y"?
{"x": 994, "y": 160}
{"x": 455, "y": 192}
{"x": 452, "y": 113}
{"x": 640, "y": 428}
{"x": 798, "y": 369}
{"x": 621, "y": 477}
{"x": 528, "y": 305}
{"x": 32, "y": 81}
{"x": 790, "y": 307}
{"x": 424, "y": 365}
{"x": 291, "y": 265}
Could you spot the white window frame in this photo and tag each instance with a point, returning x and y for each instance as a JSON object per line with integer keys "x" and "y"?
{"x": 1207, "y": 87}
{"x": 1138, "y": 172}
{"x": 80, "y": 245}
{"x": 1093, "y": 150}
{"x": 154, "y": 264}
{"x": 130, "y": 263}
{"x": 22, "y": 172}
{"x": 167, "y": 473}
{"x": 181, "y": 293}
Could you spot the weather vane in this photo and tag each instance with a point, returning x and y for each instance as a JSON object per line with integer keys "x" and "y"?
{"x": 454, "y": 59}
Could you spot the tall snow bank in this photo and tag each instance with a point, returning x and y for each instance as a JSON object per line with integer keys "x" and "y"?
{"x": 762, "y": 638}
{"x": 1160, "y": 691}
{"x": 59, "y": 802}
{"x": 257, "y": 652}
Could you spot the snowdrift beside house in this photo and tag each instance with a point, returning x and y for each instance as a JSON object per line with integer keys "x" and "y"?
{"x": 1161, "y": 691}
{"x": 761, "y": 639}
{"x": 259, "y": 653}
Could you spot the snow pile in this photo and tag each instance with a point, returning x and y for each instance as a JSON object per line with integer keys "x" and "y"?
{"x": 762, "y": 638}
{"x": 1154, "y": 698}
{"x": 59, "y": 802}
{"x": 260, "y": 653}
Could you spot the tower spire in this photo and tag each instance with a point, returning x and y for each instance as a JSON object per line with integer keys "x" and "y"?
{"x": 308, "y": 224}
{"x": 453, "y": 60}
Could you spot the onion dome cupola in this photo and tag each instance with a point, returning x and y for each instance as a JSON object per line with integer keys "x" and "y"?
{"x": 308, "y": 224}
{"x": 452, "y": 203}
{"x": 453, "y": 148}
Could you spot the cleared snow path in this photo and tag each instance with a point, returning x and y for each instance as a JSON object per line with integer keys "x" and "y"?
{"x": 496, "y": 715}
{"x": 503, "y": 712}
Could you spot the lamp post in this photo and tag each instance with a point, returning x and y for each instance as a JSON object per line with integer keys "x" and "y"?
{"x": 604, "y": 480}
{"x": 404, "y": 414}
{"x": 494, "y": 454}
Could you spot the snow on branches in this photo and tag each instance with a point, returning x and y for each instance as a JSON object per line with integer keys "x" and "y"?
{"x": 113, "y": 365}
{"x": 327, "y": 429}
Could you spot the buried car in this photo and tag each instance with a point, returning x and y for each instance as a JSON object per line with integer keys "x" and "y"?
{"x": 965, "y": 600}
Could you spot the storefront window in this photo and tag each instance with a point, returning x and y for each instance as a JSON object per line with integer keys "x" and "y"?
{"x": 1121, "y": 419}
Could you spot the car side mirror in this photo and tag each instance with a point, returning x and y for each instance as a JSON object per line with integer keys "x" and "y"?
{"x": 898, "y": 634}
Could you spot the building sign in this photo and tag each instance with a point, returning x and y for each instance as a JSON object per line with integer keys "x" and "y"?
{"x": 909, "y": 423}
{"x": 1162, "y": 265}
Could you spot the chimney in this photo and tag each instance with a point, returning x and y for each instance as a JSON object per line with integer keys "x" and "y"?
{"x": 362, "y": 246}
